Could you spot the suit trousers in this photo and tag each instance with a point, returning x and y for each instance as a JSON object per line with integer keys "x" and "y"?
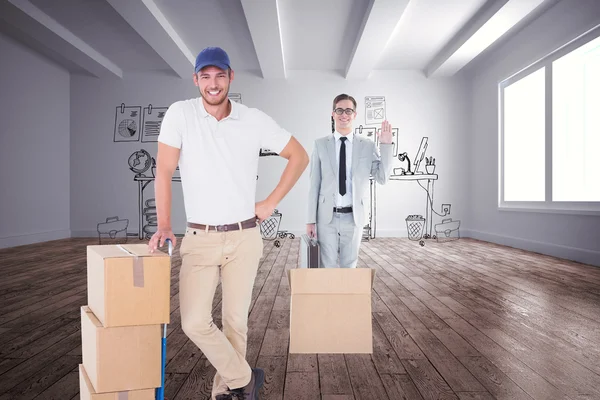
{"x": 339, "y": 241}
{"x": 234, "y": 256}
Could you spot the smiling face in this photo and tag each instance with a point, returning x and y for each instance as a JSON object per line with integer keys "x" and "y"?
{"x": 213, "y": 84}
{"x": 343, "y": 120}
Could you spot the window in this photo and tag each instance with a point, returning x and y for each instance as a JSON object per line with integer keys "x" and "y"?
{"x": 550, "y": 131}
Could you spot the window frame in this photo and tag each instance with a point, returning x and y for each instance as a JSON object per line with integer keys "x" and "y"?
{"x": 548, "y": 205}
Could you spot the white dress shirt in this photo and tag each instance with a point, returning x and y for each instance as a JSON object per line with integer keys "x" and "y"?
{"x": 345, "y": 200}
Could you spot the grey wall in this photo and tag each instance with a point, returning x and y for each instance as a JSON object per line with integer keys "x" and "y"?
{"x": 572, "y": 236}
{"x": 103, "y": 186}
{"x": 34, "y": 147}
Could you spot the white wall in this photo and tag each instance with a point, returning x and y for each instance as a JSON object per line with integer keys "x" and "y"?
{"x": 563, "y": 235}
{"x": 103, "y": 186}
{"x": 34, "y": 147}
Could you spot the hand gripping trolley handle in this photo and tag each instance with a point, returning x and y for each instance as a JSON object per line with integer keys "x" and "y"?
{"x": 160, "y": 392}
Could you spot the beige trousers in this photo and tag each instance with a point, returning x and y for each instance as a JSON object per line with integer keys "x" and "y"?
{"x": 234, "y": 256}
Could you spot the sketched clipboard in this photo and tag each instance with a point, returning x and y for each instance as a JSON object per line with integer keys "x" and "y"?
{"x": 127, "y": 123}
{"x": 366, "y": 132}
{"x": 153, "y": 117}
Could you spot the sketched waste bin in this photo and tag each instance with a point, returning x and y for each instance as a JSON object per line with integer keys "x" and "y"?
{"x": 414, "y": 226}
{"x": 269, "y": 228}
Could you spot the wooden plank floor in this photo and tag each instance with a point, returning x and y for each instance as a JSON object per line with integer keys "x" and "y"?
{"x": 458, "y": 320}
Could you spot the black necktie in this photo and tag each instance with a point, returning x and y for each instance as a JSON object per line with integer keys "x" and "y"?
{"x": 342, "y": 174}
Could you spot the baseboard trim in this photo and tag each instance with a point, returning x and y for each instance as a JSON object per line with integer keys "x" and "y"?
{"x": 21, "y": 240}
{"x": 84, "y": 234}
{"x": 391, "y": 233}
{"x": 584, "y": 256}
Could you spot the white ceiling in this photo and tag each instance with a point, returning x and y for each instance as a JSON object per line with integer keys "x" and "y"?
{"x": 111, "y": 38}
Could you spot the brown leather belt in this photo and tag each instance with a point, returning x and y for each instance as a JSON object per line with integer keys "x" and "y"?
{"x": 249, "y": 223}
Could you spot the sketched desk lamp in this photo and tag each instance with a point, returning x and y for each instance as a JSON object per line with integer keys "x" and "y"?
{"x": 417, "y": 160}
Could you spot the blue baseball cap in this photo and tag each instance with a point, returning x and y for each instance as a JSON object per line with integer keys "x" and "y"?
{"x": 212, "y": 56}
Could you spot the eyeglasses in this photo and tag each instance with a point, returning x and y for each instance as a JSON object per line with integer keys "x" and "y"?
{"x": 340, "y": 111}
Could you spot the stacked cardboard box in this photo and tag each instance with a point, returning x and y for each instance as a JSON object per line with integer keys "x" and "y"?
{"x": 330, "y": 310}
{"x": 121, "y": 326}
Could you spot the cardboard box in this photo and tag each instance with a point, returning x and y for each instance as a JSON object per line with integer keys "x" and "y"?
{"x": 330, "y": 310}
{"x": 127, "y": 285}
{"x": 87, "y": 392}
{"x": 120, "y": 358}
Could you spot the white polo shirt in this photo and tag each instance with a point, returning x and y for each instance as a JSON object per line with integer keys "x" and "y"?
{"x": 219, "y": 159}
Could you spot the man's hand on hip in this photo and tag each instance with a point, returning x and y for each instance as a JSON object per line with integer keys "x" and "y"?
{"x": 159, "y": 239}
{"x": 311, "y": 230}
{"x": 263, "y": 210}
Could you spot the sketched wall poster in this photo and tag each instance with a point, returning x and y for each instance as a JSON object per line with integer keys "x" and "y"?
{"x": 127, "y": 123}
{"x": 366, "y": 132}
{"x": 374, "y": 110}
{"x": 152, "y": 117}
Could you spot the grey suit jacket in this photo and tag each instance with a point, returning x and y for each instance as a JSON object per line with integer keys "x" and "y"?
{"x": 366, "y": 161}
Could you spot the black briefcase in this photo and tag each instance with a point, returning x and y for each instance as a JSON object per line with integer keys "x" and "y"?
{"x": 310, "y": 254}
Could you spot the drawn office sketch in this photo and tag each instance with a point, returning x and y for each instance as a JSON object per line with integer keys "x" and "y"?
{"x": 414, "y": 165}
{"x": 394, "y": 139}
{"x": 237, "y": 97}
{"x": 374, "y": 110}
{"x": 152, "y": 120}
{"x": 113, "y": 228}
{"x": 140, "y": 162}
{"x": 150, "y": 224}
{"x": 127, "y": 123}
{"x": 267, "y": 153}
{"x": 269, "y": 229}
{"x": 421, "y": 169}
{"x": 366, "y": 132}
{"x": 447, "y": 230}
{"x": 143, "y": 165}
{"x": 419, "y": 227}
{"x": 414, "y": 226}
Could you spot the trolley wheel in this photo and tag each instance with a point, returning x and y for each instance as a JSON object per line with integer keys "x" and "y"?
{"x": 292, "y": 236}
{"x": 282, "y": 235}
{"x": 422, "y": 243}
{"x": 277, "y": 244}
{"x": 434, "y": 237}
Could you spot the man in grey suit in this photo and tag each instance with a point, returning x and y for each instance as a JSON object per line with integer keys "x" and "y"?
{"x": 341, "y": 165}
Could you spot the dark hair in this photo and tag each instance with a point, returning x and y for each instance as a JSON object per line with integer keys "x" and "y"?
{"x": 341, "y": 97}
{"x": 337, "y": 99}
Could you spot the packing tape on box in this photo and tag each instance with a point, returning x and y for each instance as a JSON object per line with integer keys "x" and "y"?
{"x": 123, "y": 395}
{"x": 138, "y": 268}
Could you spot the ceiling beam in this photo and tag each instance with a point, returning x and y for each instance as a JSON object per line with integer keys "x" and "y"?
{"x": 150, "y": 23}
{"x": 264, "y": 24}
{"x": 376, "y": 30}
{"x": 56, "y": 37}
{"x": 492, "y": 21}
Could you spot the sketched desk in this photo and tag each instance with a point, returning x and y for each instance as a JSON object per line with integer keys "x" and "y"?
{"x": 430, "y": 178}
{"x": 143, "y": 181}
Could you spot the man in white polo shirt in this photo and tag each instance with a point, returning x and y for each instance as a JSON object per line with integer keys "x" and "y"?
{"x": 216, "y": 143}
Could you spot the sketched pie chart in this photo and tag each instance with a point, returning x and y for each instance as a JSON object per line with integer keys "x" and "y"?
{"x": 127, "y": 128}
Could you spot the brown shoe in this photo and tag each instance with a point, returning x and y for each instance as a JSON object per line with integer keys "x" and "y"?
{"x": 248, "y": 392}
